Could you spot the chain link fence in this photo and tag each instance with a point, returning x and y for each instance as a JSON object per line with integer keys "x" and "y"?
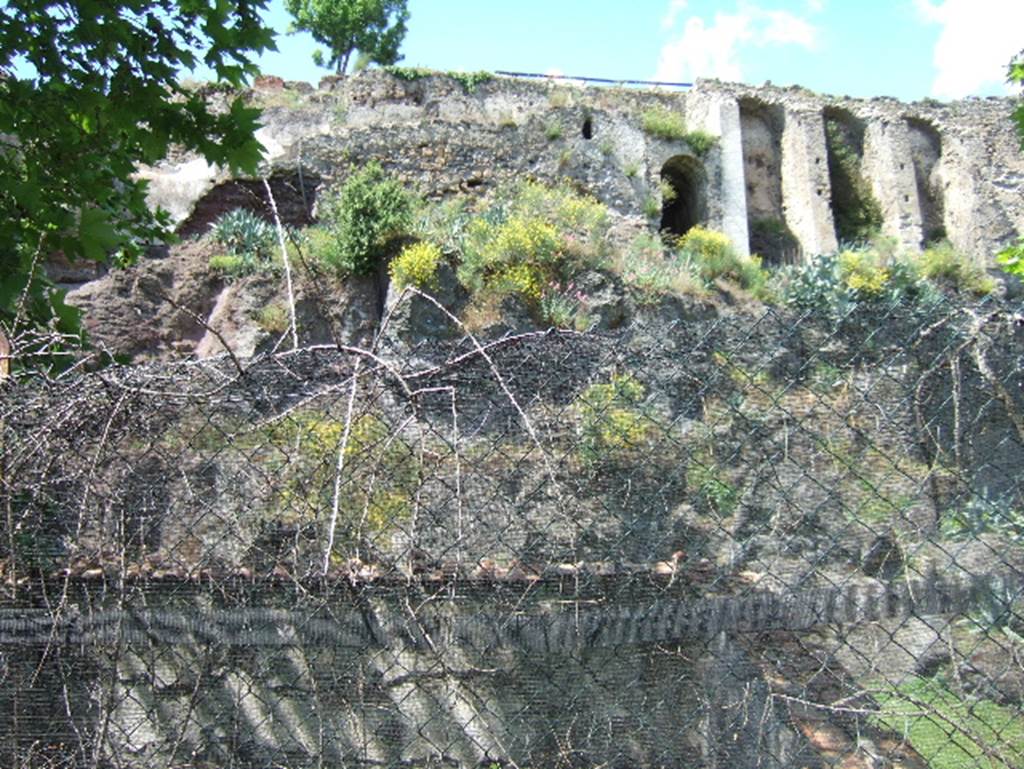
{"x": 728, "y": 539}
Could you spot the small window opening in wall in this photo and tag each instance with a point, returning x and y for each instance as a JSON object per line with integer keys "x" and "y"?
{"x": 588, "y": 128}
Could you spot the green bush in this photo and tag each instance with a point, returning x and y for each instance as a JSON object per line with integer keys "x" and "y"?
{"x": 229, "y": 265}
{"x": 614, "y": 427}
{"x": 650, "y": 273}
{"x": 713, "y": 257}
{"x": 980, "y": 517}
{"x": 857, "y": 214}
{"x": 700, "y": 142}
{"x": 416, "y": 266}
{"x": 1011, "y": 258}
{"x": 944, "y": 264}
{"x": 529, "y": 238}
{"x": 366, "y": 216}
{"x": 663, "y": 123}
{"x": 249, "y": 240}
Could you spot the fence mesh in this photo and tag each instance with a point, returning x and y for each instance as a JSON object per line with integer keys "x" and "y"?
{"x": 734, "y": 539}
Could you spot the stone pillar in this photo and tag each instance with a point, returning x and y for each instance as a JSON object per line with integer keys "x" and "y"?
{"x": 720, "y": 116}
{"x": 806, "y": 190}
{"x": 888, "y": 166}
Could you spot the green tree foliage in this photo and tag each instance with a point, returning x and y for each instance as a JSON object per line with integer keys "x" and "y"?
{"x": 1011, "y": 258}
{"x": 364, "y": 219}
{"x": 1015, "y": 74}
{"x": 374, "y": 28}
{"x": 858, "y": 215}
{"x": 88, "y": 90}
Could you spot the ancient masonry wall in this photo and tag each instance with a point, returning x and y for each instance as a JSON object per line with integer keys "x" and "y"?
{"x": 952, "y": 170}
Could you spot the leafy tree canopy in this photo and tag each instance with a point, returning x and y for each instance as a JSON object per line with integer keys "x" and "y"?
{"x": 1015, "y": 74}
{"x": 88, "y": 90}
{"x": 374, "y": 28}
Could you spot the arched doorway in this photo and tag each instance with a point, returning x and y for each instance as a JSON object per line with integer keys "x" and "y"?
{"x": 684, "y": 198}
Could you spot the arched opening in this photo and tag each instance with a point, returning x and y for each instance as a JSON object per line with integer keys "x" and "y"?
{"x": 683, "y": 198}
{"x": 761, "y": 129}
{"x": 926, "y": 152}
{"x": 855, "y": 210}
{"x": 588, "y": 127}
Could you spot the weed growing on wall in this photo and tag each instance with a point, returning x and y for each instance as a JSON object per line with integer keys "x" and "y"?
{"x": 553, "y": 130}
{"x": 663, "y": 123}
{"x": 857, "y": 213}
{"x": 700, "y": 142}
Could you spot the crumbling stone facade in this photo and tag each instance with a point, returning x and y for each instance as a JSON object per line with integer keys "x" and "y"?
{"x": 936, "y": 170}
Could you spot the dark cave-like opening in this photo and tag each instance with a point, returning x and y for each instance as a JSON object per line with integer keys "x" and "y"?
{"x": 683, "y": 195}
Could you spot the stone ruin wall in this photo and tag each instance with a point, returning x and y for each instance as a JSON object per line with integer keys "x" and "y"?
{"x": 952, "y": 169}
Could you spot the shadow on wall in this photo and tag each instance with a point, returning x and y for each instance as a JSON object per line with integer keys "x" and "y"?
{"x": 926, "y": 152}
{"x": 855, "y": 211}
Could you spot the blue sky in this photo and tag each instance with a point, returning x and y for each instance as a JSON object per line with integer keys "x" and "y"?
{"x": 909, "y": 49}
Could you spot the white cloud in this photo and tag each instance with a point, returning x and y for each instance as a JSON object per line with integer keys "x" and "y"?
{"x": 675, "y": 8}
{"x": 815, "y": 6}
{"x": 703, "y": 50}
{"x": 784, "y": 28}
{"x": 977, "y": 40}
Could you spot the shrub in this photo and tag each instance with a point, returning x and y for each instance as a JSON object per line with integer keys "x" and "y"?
{"x": 249, "y": 241}
{"x": 863, "y": 273}
{"x": 838, "y": 283}
{"x": 1011, "y": 258}
{"x": 652, "y": 207}
{"x": 470, "y": 81}
{"x": 650, "y": 273}
{"x": 713, "y": 257}
{"x": 857, "y": 214}
{"x": 553, "y": 130}
{"x": 613, "y": 425}
{"x": 368, "y": 213}
{"x": 663, "y": 123}
{"x": 377, "y": 485}
{"x": 944, "y": 264}
{"x": 273, "y": 318}
{"x": 531, "y": 237}
{"x": 711, "y": 485}
{"x": 228, "y": 264}
{"x": 416, "y": 266}
{"x": 700, "y": 142}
